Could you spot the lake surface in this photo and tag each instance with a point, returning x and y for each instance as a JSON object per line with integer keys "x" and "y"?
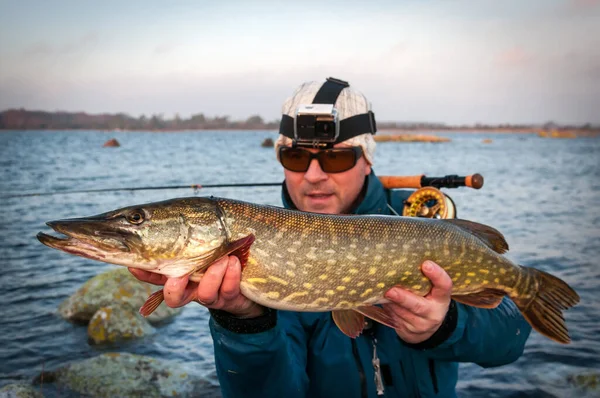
{"x": 542, "y": 194}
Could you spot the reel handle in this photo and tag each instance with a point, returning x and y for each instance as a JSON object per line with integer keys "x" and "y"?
{"x": 474, "y": 181}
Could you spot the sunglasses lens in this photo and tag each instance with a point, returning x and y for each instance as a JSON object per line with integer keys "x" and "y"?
{"x": 337, "y": 160}
{"x": 334, "y": 160}
{"x": 294, "y": 159}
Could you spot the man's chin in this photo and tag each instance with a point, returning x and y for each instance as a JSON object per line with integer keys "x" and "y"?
{"x": 321, "y": 204}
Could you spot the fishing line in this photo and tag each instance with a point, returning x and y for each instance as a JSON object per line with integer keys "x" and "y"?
{"x": 195, "y": 187}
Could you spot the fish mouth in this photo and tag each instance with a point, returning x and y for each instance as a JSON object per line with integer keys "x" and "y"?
{"x": 87, "y": 237}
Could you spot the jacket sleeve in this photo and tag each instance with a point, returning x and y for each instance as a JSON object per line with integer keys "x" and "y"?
{"x": 261, "y": 363}
{"x": 487, "y": 337}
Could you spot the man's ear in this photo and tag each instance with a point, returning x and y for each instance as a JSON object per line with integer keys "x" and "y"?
{"x": 367, "y": 168}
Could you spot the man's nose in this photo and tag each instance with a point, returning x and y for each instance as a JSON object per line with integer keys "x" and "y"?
{"x": 315, "y": 173}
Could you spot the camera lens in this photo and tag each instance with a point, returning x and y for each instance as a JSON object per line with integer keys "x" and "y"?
{"x": 325, "y": 130}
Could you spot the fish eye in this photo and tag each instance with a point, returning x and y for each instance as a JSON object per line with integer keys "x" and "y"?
{"x": 135, "y": 217}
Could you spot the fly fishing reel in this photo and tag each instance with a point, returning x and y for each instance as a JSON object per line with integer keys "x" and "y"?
{"x": 429, "y": 202}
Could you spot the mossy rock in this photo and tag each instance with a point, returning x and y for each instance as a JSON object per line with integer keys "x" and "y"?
{"x": 113, "y": 287}
{"x": 19, "y": 390}
{"x": 117, "y": 323}
{"x": 587, "y": 381}
{"x": 130, "y": 375}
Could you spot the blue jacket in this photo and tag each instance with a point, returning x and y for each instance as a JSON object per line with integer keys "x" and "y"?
{"x": 297, "y": 354}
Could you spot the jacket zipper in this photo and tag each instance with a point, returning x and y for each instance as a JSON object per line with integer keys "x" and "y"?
{"x": 377, "y": 369}
{"x": 433, "y": 376}
{"x": 361, "y": 370}
{"x": 370, "y": 333}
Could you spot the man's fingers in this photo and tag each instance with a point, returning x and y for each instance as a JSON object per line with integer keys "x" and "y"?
{"x": 410, "y": 301}
{"x": 442, "y": 284}
{"x": 407, "y": 319}
{"x": 230, "y": 288}
{"x": 209, "y": 285}
{"x": 150, "y": 277}
{"x": 174, "y": 291}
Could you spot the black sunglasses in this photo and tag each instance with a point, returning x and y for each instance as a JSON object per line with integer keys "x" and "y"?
{"x": 334, "y": 160}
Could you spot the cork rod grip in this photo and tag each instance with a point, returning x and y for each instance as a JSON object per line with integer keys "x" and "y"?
{"x": 391, "y": 182}
{"x": 474, "y": 181}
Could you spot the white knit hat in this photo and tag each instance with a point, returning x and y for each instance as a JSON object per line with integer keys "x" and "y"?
{"x": 349, "y": 103}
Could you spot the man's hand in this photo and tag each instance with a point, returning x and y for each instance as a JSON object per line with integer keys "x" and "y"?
{"x": 420, "y": 317}
{"x": 219, "y": 288}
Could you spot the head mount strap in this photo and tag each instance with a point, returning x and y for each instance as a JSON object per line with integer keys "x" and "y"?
{"x": 330, "y": 91}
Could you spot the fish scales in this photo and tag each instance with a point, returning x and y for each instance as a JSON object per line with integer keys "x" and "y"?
{"x": 347, "y": 261}
{"x": 301, "y": 261}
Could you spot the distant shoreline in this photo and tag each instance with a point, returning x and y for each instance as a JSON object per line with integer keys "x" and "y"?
{"x": 458, "y": 130}
{"x": 23, "y": 119}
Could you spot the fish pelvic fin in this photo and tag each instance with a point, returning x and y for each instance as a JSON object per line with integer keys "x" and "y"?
{"x": 350, "y": 322}
{"x": 488, "y": 235}
{"x": 488, "y": 298}
{"x": 544, "y": 311}
{"x": 378, "y": 314}
{"x": 152, "y": 303}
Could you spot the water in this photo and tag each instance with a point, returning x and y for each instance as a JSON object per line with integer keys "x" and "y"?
{"x": 543, "y": 194}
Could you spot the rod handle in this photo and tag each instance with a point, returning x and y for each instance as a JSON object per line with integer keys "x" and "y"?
{"x": 474, "y": 181}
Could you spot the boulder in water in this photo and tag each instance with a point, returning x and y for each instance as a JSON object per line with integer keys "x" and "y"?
{"x": 267, "y": 143}
{"x": 586, "y": 381}
{"x": 19, "y": 390}
{"x": 114, "y": 287}
{"x": 112, "y": 143}
{"x": 130, "y": 375}
{"x": 117, "y": 323}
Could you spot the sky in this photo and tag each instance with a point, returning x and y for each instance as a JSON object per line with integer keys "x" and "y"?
{"x": 444, "y": 61}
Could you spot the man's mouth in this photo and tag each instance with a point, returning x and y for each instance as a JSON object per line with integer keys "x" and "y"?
{"x": 319, "y": 195}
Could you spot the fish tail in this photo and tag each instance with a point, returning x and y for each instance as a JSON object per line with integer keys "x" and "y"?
{"x": 544, "y": 311}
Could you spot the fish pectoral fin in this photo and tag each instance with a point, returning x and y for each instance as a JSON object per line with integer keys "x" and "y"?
{"x": 488, "y": 298}
{"x": 241, "y": 249}
{"x": 490, "y": 236}
{"x": 378, "y": 314}
{"x": 350, "y": 322}
{"x": 152, "y": 303}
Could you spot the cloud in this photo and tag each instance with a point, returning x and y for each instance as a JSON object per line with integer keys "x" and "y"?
{"x": 584, "y": 3}
{"x": 164, "y": 48}
{"x": 515, "y": 57}
{"x": 45, "y": 49}
{"x": 578, "y": 8}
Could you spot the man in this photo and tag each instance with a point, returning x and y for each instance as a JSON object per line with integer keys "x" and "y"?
{"x": 326, "y": 147}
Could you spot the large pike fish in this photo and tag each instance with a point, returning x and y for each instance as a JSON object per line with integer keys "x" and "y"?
{"x": 301, "y": 261}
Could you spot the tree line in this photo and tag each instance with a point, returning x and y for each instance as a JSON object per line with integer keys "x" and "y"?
{"x": 22, "y": 119}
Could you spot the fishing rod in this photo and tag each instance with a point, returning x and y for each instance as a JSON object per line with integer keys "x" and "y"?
{"x": 390, "y": 182}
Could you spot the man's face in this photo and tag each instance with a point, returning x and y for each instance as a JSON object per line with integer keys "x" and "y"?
{"x": 330, "y": 193}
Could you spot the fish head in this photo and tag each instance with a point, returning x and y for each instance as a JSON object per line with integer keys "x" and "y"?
{"x": 173, "y": 237}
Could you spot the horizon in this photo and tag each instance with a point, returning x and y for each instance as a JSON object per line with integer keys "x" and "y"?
{"x": 385, "y": 123}
{"x": 455, "y": 63}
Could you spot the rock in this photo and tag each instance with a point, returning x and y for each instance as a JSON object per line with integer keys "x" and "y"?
{"x": 117, "y": 323}
{"x": 111, "y": 143}
{"x": 130, "y": 375}
{"x": 557, "y": 134}
{"x": 18, "y": 390}
{"x": 588, "y": 381}
{"x": 116, "y": 287}
{"x": 410, "y": 138}
{"x": 267, "y": 143}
